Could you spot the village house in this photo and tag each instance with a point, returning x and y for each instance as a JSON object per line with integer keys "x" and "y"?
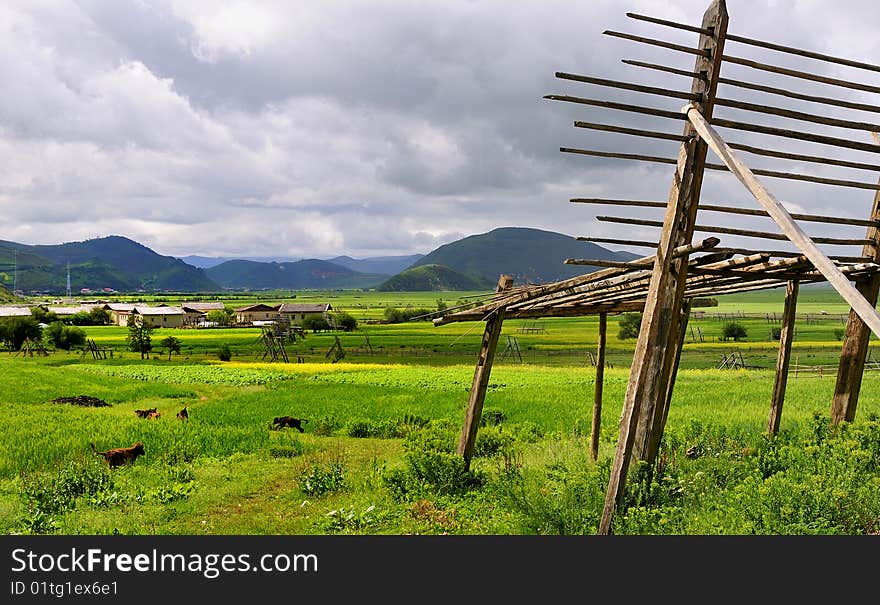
{"x": 119, "y": 312}
{"x": 295, "y": 313}
{"x": 256, "y": 314}
{"x": 161, "y": 317}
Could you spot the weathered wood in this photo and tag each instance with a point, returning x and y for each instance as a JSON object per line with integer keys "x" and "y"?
{"x": 646, "y": 386}
{"x": 799, "y": 157}
{"x": 650, "y": 111}
{"x": 796, "y": 115}
{"x": 684, "y": 26}
{"x": 733, "y": 231}
{"x": 794, "y": 73}
{"x": 630, "y": 131}
{"x": 597, "y": 394}
{"x": 782, "y": 218}
{"x": 851, "y": 366}
{"x": 485, "y": 359}
{"x": 761, "y": 172}
{"x": 815, "y": 218}
{"x": 782, "y": 92}
{"x": 796, "y": 134}
{"x": 804, "y": 53}
{"x": 783, "y": 359}
{"x": 651, "y": 90}
{"x": 661, "y": 43}
{"x": 662, "y": 413}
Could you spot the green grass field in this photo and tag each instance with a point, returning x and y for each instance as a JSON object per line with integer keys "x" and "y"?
{"x": 375, "y": 455}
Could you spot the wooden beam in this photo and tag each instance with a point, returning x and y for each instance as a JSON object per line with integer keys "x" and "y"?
{"x": 794, "y": 73}
{"x": 684, "y": 26}
{"x": 851, "y": 366}
{"x": 796, "y": 115}
{"x": 772, "y": 173}
{"x": 814, "y": 218}
{"x": 804, "y": 53}
{"x": 661, "y": 43}
{"x": 630, "y": 131}
{"x": 783, "y": 359}
{"x": 597, "y": 394}
{"x": 651, "y": 111}
{"x": 782, "y": 92}
{"x": 796, "y": 134}
{"x": 780, "y": 215}
{"x": 652, "y": 90}
{"x": 733, "y": 231}
{"x": 480, "y": 383}
{"x": 647, "y": 384}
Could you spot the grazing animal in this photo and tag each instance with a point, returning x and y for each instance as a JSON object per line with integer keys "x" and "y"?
{"x": 153, "y": 415}
{"x": 183, "y": 414}
{"x": 121, "y": 455}
{"x": 283, "y": 421}
{"x": 145, "y": 413}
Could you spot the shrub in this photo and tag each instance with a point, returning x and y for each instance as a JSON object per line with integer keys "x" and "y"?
{"x": 734, "y": 330}
{"x": 325, "y": 425}
{"x": 492, "y": 417}
{"x": 64, "y": 337}
{"x": 630, "y": 324}
{"x": 315, "y": 323}
{"x": 344, "y": 321}
{"x": 324, "y": 478}
{"x": 15, "y": 330}
{"x": 224, "y": 353}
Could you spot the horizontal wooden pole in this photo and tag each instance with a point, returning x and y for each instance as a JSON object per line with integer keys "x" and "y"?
{"x": 814, "y": 218}
{"x": 651, "y": 90}
{"x": 650, "y": 111}
{"x": 620, "y": 242}
{"x": 631, "y": 131}
{"x": 732, "y": 231}
{"x": 661, "y": 43}
{"x": 804, "y": 158}
{"x": 803, "y": 53}
{"x": 771, "y": 173}
{"x": 807, "y": 245}
{"x": 796, "y": 134}
{"x": 796, "y": 115}
{"x": 794, "y": 73}
{"x": 684, "y": 26}
{"x": 665, "y": 68}
{"x": 762, "y": 88}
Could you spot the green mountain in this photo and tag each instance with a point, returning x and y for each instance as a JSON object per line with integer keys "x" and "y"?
{"x": 433, "y": 277}
{"x": 529, "y": 255}
{"x": 299, "y": 275}
{"x": 108, "y": 262}
{"x": 7, "y": 297}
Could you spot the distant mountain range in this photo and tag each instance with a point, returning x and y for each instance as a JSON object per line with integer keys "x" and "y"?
{"x": 312, "y": 274}
{"x": 114, "y": 262}
{"x": 472, "y": 263}
{"x": 529, "y": 255}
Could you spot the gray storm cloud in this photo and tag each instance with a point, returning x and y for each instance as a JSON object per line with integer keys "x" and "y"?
{"x": 318, "y": 129}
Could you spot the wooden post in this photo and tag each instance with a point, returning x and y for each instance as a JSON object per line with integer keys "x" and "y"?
{"x": 855, "y": 344}
{"x": 783, "y": 359}
{"x": 652, "y": 359}
{"x": 600, "y": 378}
{"x": 481, "y": 378}
{"x": 660, "y": 419}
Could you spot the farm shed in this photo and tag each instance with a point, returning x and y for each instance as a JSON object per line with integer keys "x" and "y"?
{"x": 681, "y": 270}
{"x": 260, "y": 312}
{"x": 297, "y": 312}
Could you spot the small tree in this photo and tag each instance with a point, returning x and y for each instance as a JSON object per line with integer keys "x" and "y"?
{"x": 315, "y": 323}
{"x": 172, "y": 345}
{"x": 441, "y": 305}
{"x": 224, "y": 353}
{"x": 734, "y": 330}
{"x": 630, "y": 324}
{"x": 140, "y": 336}
{"x": 64, "y": 337}
{"x": 345, "y": 321}
{"x": 15, "y": 330}
{"x": 218, "y": 317}
{"x": 99, "y": 316}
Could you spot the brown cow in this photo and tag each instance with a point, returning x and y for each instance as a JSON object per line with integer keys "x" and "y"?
{"x": 121, "y": 455}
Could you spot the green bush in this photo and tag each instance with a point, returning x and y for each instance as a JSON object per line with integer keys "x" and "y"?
{"x": 322, "y": 479}
{"x": 734, "y": 330}
{"x": 224, "y": 353}
{"x": 15, "y": 330}
{"x": 316, "y": 323}
{"x": 344, "y": 321}
{"x": 630, "y": 324}
{"x": 64, "y": 337}
{"x": 47, "y": 494}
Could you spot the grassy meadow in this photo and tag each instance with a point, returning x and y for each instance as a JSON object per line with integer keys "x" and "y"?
{"x": 377, "y": 453}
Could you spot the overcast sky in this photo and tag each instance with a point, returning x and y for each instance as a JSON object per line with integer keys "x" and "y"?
{"x": 372, "y": 127}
